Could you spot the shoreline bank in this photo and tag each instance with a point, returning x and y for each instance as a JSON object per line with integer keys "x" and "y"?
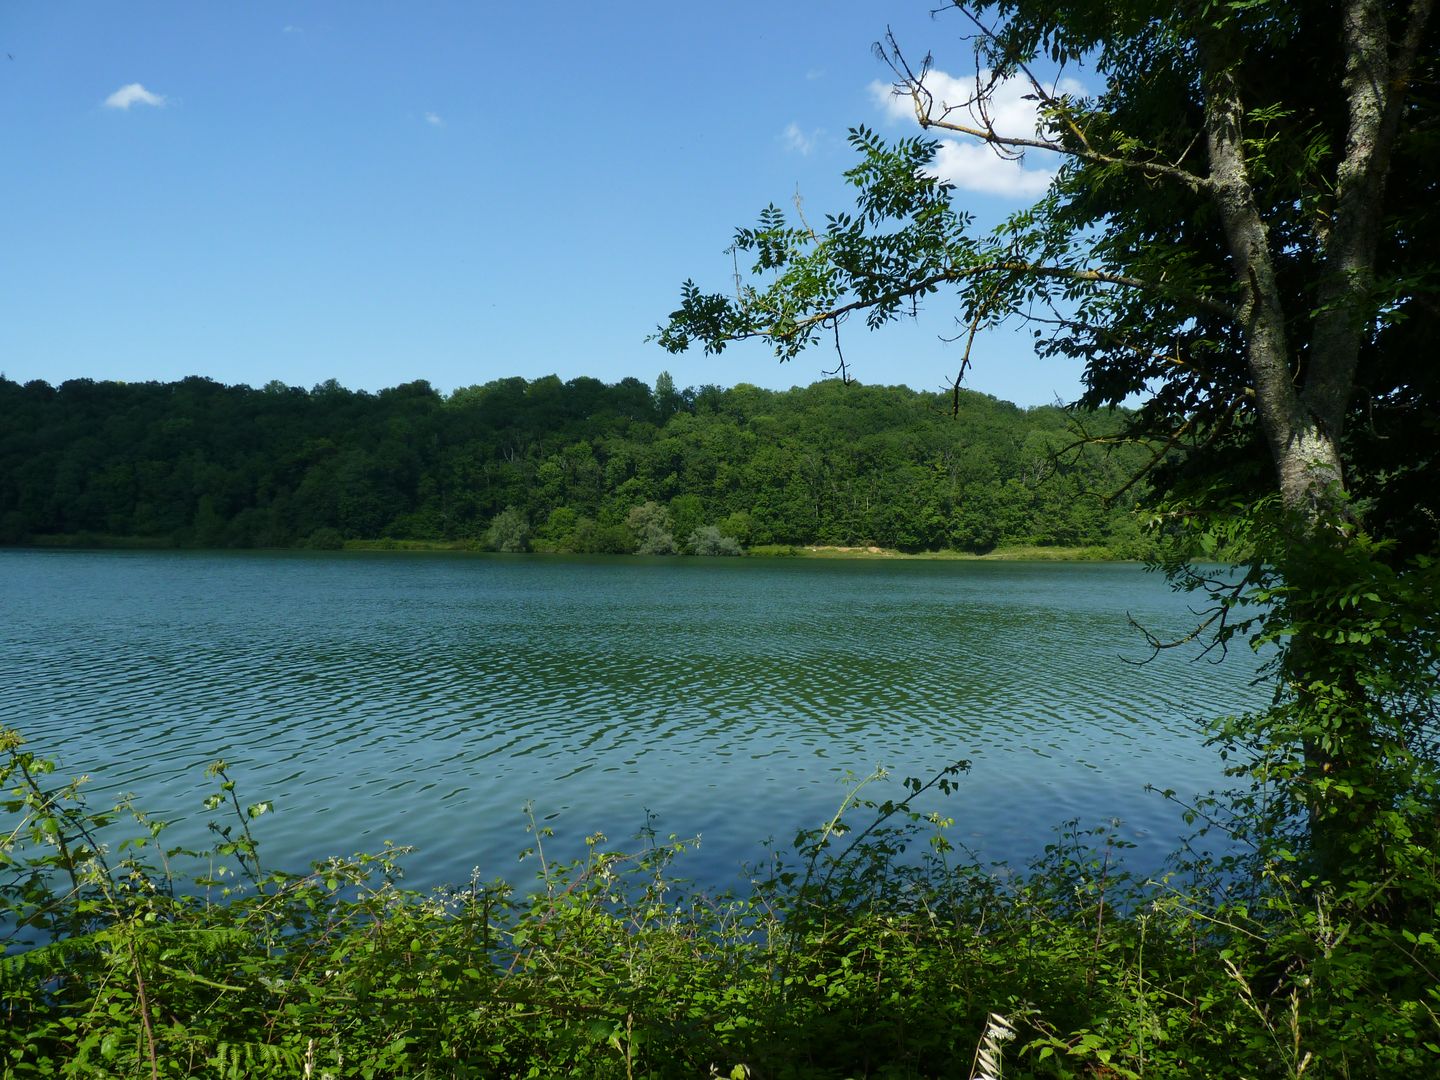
{"x": 1013, "y": 553}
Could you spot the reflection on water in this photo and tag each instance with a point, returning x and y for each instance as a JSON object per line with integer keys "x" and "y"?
{"x": 425, "y": 698}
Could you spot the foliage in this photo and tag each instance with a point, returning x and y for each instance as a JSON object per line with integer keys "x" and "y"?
{"x": 650, "y": 522}
{"x": 871, "y": 948}
{"x": 1242, "y": 249}
{"x": 1240, "y": 232}
{"x": 1212, "y": 241}
{"x": 325, "y": 538}
{"x": 709, "y": 540}
{"x": 1341, "y": 774}
{"x": 1237, "y": 232}
{"x": 195, "y": 463}
{"x": 509, "y": 531}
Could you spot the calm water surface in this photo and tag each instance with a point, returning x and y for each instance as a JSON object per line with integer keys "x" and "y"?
{"x": 425, "y": 698}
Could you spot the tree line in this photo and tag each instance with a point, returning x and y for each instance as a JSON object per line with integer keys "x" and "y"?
{"x": 581, "y": 466}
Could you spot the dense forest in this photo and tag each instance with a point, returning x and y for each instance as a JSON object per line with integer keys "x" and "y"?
{"x": 564, "y": 466}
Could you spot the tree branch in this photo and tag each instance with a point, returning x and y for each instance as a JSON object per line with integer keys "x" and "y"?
{"x": 1009, "y": 266}
{"x": 914, "y": 85}
{"x": 981, "y": 309}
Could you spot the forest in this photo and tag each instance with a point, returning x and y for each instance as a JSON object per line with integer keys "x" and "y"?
{"x": 580, "y": 466}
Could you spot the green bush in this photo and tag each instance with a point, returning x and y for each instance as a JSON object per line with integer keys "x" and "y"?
{"x": 325, "y": 539}
{"x": 868, "y": 949}
{"x": 651, "y": 525}
{"x": 709, "y": 540}
{"x": 509, "y": 531}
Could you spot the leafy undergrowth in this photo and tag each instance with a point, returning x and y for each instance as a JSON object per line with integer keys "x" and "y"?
{"x": 872, "y": 950}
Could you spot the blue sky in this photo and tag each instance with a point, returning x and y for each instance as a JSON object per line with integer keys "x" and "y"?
{"x": 450, "y": 191}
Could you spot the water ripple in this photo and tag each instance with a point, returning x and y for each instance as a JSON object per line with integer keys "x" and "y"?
{"x": 425, "y": 699}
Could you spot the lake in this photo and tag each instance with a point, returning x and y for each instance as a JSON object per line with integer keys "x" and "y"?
{"x": 425, "y": 698}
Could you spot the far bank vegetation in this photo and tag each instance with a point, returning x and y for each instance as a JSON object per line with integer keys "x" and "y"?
{"x": 544, "y": 465}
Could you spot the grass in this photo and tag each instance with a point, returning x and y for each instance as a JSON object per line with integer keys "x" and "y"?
{"x": 1010, "y": 553}
{"x": 101, "y": 540}
{"x": 388, "y": 544}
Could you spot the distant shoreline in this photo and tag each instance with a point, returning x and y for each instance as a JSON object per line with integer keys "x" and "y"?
{"x": 1011, "y": 553}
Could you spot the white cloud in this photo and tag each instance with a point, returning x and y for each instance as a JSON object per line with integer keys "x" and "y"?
{"x": 973, "y": 166}
{"x": 292, "y": 29}
{"x": 798, "y": 141}
{"x": 969, "y": 163}
{"x": 434, "y": 119}
{"x": 133, "y": 94}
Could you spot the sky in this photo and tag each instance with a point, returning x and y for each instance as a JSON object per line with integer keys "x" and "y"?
{"x": 456, "y": 192}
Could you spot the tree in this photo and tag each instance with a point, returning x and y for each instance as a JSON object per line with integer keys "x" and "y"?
{"x": 709, "y": 540}
{"x": 1240, "y": 230}
{"x": 667, "y": 399}
{"x": 650, "y": 522}
{"x": 509, "y": 531}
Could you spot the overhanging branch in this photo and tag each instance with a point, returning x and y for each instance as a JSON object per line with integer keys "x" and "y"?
{"x": 913, "y": 84}
{"x": 1017, "y": 267}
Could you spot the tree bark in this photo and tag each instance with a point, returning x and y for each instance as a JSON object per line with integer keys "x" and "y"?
{"x": 1302, "y": 395}
{"x": 1303, "y": 447}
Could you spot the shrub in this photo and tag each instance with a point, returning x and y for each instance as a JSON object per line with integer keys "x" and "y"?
{"x": 650, "y": 522}
{"x": 325, "y": 539}
{"x": 869, "y": 949}
{"x": 709, "y": 540}
{"x": 509, "y": 531}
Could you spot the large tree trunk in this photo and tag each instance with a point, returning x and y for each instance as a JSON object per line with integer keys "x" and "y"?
{"x": 1303, "y": 411}
{"x": 1302, "y": 395}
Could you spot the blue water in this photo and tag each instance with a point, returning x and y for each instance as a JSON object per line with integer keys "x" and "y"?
{"x": 426, "y": 698}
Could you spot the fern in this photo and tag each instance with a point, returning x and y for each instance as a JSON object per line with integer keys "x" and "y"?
{"x": 241, "y": 1061}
